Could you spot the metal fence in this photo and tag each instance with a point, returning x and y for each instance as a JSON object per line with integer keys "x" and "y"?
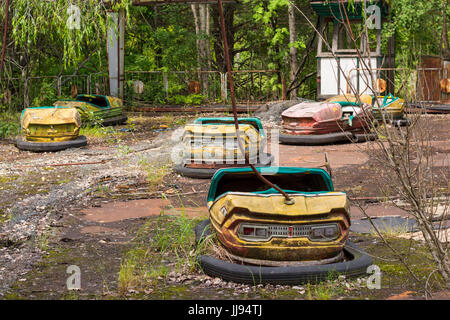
{"x": 144, "y": 88}
{"x": 17, "y": 93}
{"x": 413, "y": 85}
{"x": 197, "y": 87}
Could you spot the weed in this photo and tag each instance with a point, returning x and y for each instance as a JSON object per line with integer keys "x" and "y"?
{"x": 322, "y": 291}
{"x": 155, "y": 174}
{"x": 42, "y": 241}
{"x": 160, "y": 271}
{"x": 71, "y": 295}
{"x": 131, "y": 125}
{"x": 99, "y": 132}
{"x": 168, "y": 241}
{"x": 6, "y": 179}
{"x": 9, "y": 124}
{"x": 102, "y": 189}
{"x": 128, "y": 278}
{"x": 123, "y": 150}
{"x": 390, "y": 230}
{"x": 176, "y": 235}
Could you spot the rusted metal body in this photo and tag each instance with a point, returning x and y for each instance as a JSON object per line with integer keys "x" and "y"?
{"x": 428, "y": 77}
{"x": 433, "y": 77}
{"x": 326, "y": 117}
{"x": 238, "y": 201}
{"x": 392, "y": 107}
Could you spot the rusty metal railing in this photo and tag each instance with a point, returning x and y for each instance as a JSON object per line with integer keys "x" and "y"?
{"x": 143, "y": 88}
{"x": 412, "y": 85}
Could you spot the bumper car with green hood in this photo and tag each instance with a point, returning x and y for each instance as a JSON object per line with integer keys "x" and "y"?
{"x": 270, "y": 240}
{"x": 212, "y": 143}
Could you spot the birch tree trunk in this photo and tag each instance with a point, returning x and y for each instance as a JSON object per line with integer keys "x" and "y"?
{"x": 197, "y": 32}
{"x": 202, "y": 31}
{"x": 292, "y": 50}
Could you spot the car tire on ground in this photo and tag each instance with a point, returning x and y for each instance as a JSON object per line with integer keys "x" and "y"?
{"x": 115, "y": 120}
{"x": 401, "y": 122}
{"x": 363, "y": 137}
{"x": 316, "y": 139}
{"x": 254, "y": 275}
{"x": 203, "y": 173}
{"x": 22, "y": 144}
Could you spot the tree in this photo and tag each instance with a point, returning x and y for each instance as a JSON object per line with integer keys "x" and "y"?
{"x": 201, "y": 13}
{"x": 292, "y": 49}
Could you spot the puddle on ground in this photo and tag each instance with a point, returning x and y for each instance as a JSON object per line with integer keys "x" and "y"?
{"x": 401, "y": 226}
{"x": 117, "y": 211}
{"x": 394, "y": 224}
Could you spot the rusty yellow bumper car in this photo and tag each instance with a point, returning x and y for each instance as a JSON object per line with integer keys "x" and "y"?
{"x": 211, "y": 144}
{"x": 50, "y": 129}
{"x": 392, "y": 108}
{"x": 271, "y": 241}
{"x": 106, "y": 109}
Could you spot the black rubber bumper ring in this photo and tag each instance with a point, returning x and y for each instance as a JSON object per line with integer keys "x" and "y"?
{"x": 200, "y": 173}
{"x": 115, "y": 120}
{"x": 50, "y": 146}
{"x": 329, "y": 138}
{"x": 316, "y": 139}
{"x": 255, "y": 275}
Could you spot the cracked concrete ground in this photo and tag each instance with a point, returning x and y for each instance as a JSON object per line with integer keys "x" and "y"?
{"x": 84, "y": 206}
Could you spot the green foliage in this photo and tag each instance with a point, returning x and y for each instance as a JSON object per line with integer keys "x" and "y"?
{"x": 32, "y": 20}
{"x": 47, "y": 95}
{"x": 163, "y": 38}
{"x": 160, "y": 40}
{"x": 417, "y": 26}
{"x": 267, "y": 13}
{"x": 192, "y": 99}
{"x": 9, "y": 124}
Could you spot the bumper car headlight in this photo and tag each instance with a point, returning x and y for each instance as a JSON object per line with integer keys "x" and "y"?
{"x": 253, "y": 232}
{"x": 324, "y": 232}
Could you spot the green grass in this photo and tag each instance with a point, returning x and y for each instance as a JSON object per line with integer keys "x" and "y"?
{"x": 321, "y": 291}
{"x": 99, "y": 132}
{"x": 7, "y": 179}
{"x": 155, "y": 174}
{"x": 160, "y": 246}
{"x": 9, "y": 124}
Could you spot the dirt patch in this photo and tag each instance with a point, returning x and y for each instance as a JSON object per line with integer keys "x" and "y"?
{"x": 378, "y": 210}
{"x": 305, "y": 156}
{"x": 407, "y": 295}
{"x": 442, "y": 295}
{"x": 99, "y": 230}
{"x": 117, "y": 211}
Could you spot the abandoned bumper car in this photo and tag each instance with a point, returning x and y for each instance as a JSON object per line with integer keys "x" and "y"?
{"x": 391, "y": 108}
{"x": 105, "y": 109}
{"x": 50, "y": 129}
{"x": 339, "y": 119}
{"x": 212, "y": 143}
{"x": 269, "y": 240}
